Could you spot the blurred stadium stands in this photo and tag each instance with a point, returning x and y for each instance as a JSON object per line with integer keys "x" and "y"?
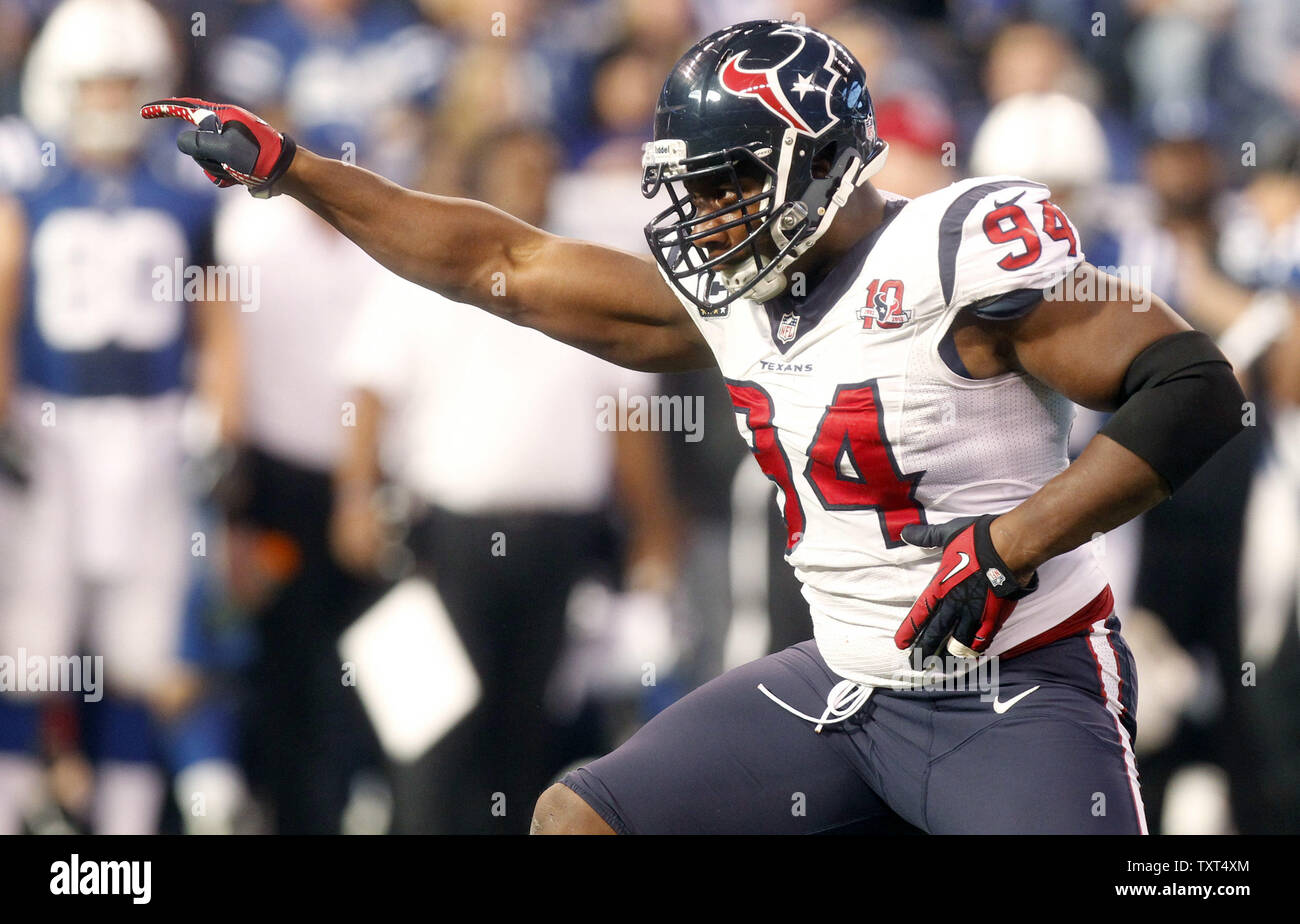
{"x": 1168, "y": 129}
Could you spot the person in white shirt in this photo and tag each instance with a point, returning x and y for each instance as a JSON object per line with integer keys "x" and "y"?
{"x": 497, "y": 434}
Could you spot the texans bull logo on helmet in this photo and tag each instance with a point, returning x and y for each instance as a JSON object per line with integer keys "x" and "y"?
{"x": 809, "y": 68}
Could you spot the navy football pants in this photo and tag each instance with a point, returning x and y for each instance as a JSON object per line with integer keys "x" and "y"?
{"x": 727, "y": 760}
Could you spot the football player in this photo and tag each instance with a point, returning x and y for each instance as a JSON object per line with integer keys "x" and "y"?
{"x": 94, "y": 357}
{"x": 902, "y": 370}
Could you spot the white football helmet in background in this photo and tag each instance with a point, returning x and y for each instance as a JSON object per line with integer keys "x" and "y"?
{"x": 90, "y": 68}
{"x": 1048, "y": 137}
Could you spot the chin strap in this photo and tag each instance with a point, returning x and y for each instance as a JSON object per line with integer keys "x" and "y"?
{"x": 773, "y": 282}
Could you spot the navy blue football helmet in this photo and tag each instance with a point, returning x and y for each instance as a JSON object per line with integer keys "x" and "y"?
{"x": 764, "y": 100}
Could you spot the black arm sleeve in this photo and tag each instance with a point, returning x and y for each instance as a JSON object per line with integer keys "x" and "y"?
{"x": 1180, "y": 402}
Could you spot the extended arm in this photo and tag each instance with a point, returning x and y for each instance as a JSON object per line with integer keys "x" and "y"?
{"x": 602, "y": 300}
{"x": 645, "y": 495}
{"x": 218, "y": 366}
{"x": 13, "y": 247}
{"x": 356, "y": 532}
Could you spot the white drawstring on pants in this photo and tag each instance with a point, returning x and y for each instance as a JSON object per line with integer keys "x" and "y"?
{"x": 843, "y": 702}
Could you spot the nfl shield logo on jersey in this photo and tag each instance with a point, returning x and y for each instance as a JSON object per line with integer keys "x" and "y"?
{"x": 788, "y": 328}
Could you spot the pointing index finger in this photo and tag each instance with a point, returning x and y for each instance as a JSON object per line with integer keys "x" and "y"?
{"x": 194, "y": 111}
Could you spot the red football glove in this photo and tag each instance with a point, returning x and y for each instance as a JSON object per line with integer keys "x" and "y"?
{"x": 231, "y": 145}
{"x": 969, "y": 598}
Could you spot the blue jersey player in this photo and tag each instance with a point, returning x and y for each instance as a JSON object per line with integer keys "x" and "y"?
{"x": 98, "y": 361}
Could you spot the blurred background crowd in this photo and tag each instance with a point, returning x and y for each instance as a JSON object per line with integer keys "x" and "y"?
{"x": 359, "y": 559}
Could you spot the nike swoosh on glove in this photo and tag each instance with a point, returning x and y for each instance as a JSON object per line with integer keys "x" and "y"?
{"x": 971, "y": 595}
{"x": 231, "y": 145}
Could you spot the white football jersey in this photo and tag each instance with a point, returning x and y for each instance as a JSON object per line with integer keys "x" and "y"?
{"x": 855, "y": 405}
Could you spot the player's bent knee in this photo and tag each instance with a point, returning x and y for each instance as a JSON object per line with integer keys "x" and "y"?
{"x": 560, "y": 810}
